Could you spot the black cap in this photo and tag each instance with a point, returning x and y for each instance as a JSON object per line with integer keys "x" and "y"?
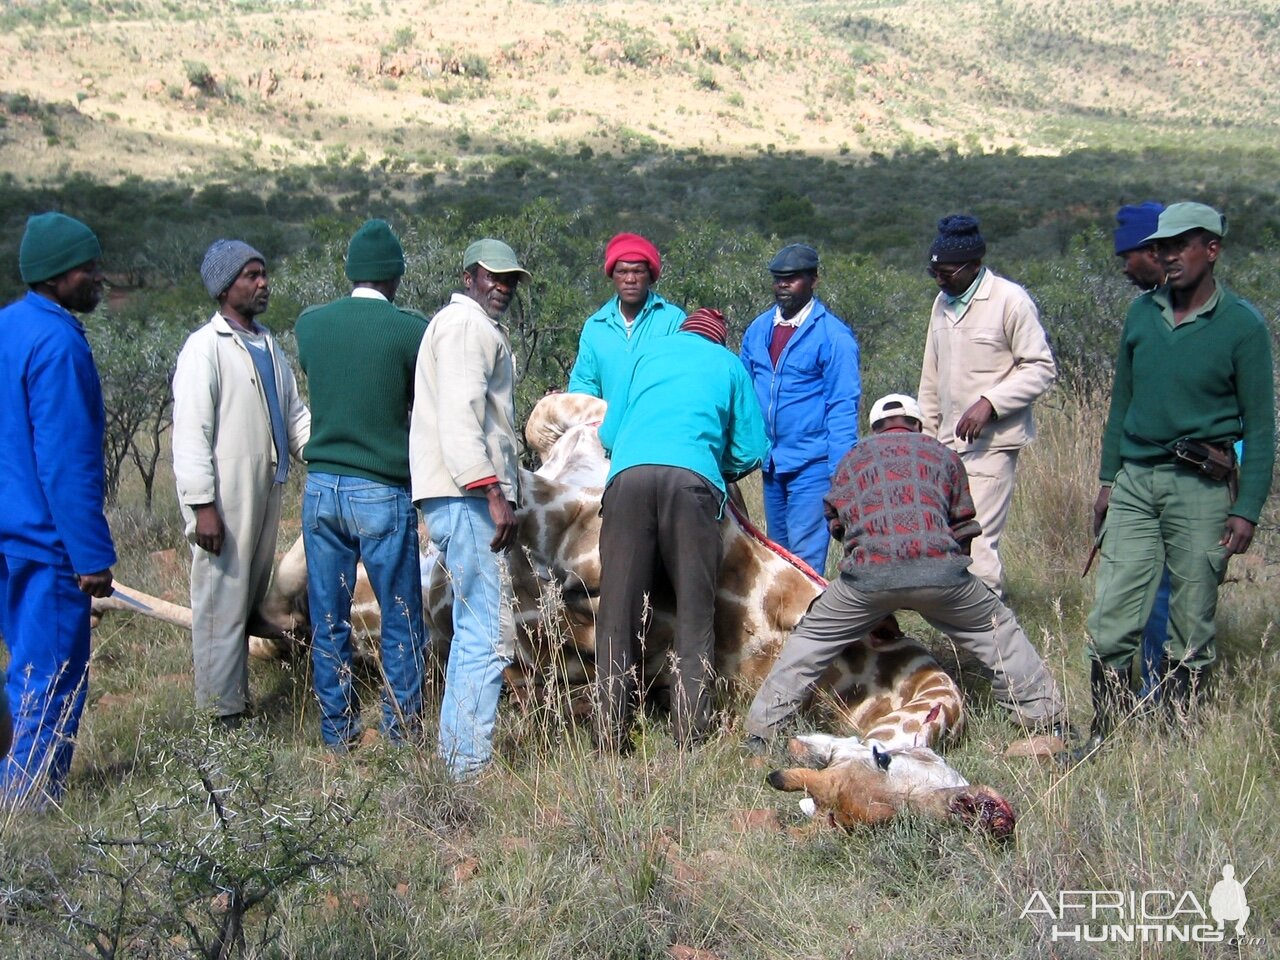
{"x": 794, "y": 258}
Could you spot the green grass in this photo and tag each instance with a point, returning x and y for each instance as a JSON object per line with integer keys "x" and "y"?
{"x": 562, "y": 852}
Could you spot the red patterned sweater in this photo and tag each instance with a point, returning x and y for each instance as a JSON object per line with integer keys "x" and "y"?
{"x": 900, "y": 502}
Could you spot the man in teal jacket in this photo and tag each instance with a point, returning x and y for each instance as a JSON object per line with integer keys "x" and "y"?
{"x": 634, "y": 316}
{"x": 684, "y": 423}
{"x": 1194, "y": 362}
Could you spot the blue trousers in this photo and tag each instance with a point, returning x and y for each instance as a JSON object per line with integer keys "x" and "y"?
{"x": 1154, "y": 637}
{"x": 6, "y": 724}
{"x": 793, "y": 512}
{"x": 483, "y": 629}
{"x": 346, "y": 519}
{"x": 45, "y": 621}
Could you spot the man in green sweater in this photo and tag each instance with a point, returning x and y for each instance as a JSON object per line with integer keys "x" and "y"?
{"x": 1194, "y": 362}
{"x": 359, "y": 354}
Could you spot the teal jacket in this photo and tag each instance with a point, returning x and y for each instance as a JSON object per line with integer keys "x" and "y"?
{"x": 688, "y": 403}
{"x": 605, "y": 354}
{"x": 1209, "y": 379}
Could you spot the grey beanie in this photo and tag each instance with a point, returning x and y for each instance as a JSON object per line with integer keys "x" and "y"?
{"x": 223, "y": 262}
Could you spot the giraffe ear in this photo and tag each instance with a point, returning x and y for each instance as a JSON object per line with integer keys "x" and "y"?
{"x": 881, "y": 757}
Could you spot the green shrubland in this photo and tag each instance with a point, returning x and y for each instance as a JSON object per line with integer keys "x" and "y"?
{"x": 560, "y": 851}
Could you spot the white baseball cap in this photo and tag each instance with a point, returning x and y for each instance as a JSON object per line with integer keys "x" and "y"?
{"x": 895, "y": 405}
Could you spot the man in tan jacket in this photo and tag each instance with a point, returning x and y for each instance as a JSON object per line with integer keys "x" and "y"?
{"x": 237, "y": 418}
{"x": 986, "y": 360}
{"x": 465, "y": 476}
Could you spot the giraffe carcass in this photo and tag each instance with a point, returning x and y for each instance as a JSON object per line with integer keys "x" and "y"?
{"x": 889, "y": 689}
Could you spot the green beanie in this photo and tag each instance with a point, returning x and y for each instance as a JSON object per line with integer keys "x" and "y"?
{"x": 54, "y": 243}
{"x": 374, "y": 254}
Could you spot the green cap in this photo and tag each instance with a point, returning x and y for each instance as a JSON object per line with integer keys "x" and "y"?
{"x": 1178, "y": 218}
{"x": 374, "y": 254}
{"x": 54, "y": 243}
{"x": 495, "y": 256}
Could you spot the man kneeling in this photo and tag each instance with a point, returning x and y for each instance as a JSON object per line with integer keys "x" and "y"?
{"x": 900, "y": 503}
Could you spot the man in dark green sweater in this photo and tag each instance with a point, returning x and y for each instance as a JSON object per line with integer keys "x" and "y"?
{"x": 359, "y": 354}
{"x": 1194, "y": 362}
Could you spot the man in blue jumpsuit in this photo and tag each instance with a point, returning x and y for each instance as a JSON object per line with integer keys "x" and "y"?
{"x": 55, "y": 547}
{"x": 803, "y": 361}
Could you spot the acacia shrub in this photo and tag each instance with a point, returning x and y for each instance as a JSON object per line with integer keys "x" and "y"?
{"x": 136, "y": 348}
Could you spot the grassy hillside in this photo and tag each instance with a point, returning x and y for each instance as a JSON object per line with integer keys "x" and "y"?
{"x": 721, "y": 129}
{"x": 166, "y": 89}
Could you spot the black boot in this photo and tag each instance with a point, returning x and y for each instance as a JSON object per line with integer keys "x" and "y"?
{"x": 1184, "y": 690}
{"x": 1113, "y": 700}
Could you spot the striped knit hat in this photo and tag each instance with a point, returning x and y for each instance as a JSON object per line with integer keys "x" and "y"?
{"x": 707, "y": 323}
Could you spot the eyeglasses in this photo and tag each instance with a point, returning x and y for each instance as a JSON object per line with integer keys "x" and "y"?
{"x": 947, "y": 275}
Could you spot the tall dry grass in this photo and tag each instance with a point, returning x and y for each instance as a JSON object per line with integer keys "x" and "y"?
{"x": 561, "y": 852}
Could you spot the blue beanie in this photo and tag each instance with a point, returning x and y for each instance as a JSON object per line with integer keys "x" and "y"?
{"x": 1136, "y": 223}
{"x": 958, "y": 240}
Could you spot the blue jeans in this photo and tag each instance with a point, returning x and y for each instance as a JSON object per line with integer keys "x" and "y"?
{"x": 793, "y": 511}
{"x": 483, "y": 631}
{"x": 346, "y": 519}
{"x": 45, "y": 621}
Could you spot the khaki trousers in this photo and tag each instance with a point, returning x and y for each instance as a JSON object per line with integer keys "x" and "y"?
{"x": 991, "y": 485}
{"x": 967, "y": 612}
{"x": 1160, "y": 516}
{"x": 224, "y": 592}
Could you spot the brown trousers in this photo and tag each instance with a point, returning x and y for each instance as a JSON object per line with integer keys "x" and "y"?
{"x": 657, "y": 515}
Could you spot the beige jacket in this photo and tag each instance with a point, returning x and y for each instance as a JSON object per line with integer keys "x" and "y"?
{"x": 463, "y": 426}
{"x": 222, "y": 443}
{"x": 996, "y": 349}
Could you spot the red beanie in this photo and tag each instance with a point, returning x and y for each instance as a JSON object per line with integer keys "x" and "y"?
{"x": 632, "y": 246}
{"x": 708, "y": 323}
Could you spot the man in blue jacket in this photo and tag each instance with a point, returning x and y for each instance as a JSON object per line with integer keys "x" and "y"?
{"x": 803, "y": 361}
{"x": 1145, "y": 270}
{"x": 55, "y": 547}
{"x": 614, "y": 333}
{"x": 681, "y": 426}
